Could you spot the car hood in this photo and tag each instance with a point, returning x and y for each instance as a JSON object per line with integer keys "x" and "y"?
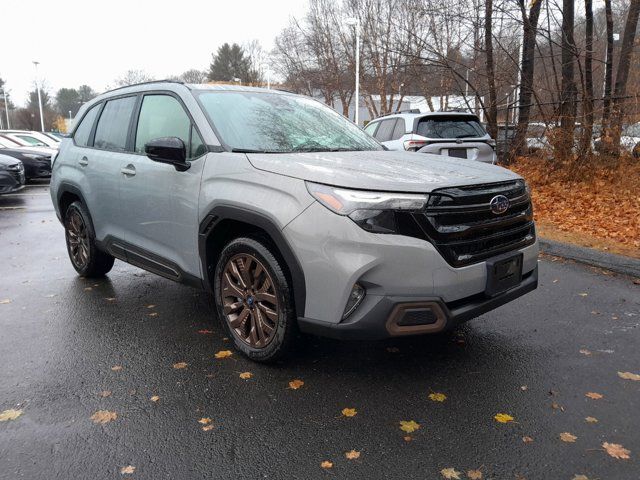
{"x": 394, "y": 171}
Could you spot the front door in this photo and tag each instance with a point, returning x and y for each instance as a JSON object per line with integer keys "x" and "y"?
{"x": 160, "y": 203}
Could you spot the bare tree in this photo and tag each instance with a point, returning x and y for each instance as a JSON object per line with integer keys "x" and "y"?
{"x": 608, "y": 75}
{"x": 587, "y": 96}
{"x": 492, "y": 109}
{"x": 132, "y": 77}
{"x": 529, "y": 31}
{"x": 569, "y": 92}
{"x": 622, "y": 76}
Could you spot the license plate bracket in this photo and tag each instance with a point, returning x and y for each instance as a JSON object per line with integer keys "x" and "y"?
{"x": 503, "y": 272}
{"x": 458, "y": 152}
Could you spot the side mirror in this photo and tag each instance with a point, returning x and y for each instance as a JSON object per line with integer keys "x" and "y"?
{"x": 169, "y": 150}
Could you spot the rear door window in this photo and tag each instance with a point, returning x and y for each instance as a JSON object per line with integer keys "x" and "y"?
{"x": 81, "y": 137}
{"x": 113, "y": 126}
{"x": 450, "y": 126}
{"x": 385, "y": 130}
{"x": 400, "y": 129}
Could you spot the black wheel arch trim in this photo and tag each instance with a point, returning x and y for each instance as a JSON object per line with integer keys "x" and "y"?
{"x": 67, "y": 188}
{"x": 231, "y": 212}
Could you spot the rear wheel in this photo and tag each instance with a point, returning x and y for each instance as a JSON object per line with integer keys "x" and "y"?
{"x": 85, "y": 256}
{"x": 253, "y": 299}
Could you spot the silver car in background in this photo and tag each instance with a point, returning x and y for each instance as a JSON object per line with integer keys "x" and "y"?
{"x": 456, "y": 134}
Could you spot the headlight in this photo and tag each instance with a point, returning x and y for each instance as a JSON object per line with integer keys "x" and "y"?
{"x": 373, "y": 211}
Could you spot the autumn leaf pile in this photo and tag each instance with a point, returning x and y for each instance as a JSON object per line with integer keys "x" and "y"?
{"x": 603, "y": 202}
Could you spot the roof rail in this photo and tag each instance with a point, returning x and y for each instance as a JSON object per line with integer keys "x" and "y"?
{"x": 410, "y": 110}
{"x": 144, "y": 83}
{"x": 456, "y": 109}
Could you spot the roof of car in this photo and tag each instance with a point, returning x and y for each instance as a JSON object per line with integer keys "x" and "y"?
{"x": 412, "y": 114}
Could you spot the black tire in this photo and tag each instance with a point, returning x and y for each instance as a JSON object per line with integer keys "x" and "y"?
{"x": 282, "y": 317}
{"x": 86, "y": 258}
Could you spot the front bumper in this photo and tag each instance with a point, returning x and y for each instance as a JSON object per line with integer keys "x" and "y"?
{"x": 378, "y": 321}
{"x": 11, "y": 181}
{"x": 334, "y": 254}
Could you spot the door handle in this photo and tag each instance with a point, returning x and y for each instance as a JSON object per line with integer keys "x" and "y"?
{"x": 84, "y": 161}
{"x": 129, "y": 170}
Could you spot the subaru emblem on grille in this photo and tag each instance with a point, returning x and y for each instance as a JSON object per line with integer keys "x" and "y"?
{"x": 499, "y": 204}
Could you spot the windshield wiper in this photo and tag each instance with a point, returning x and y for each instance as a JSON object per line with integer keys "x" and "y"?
{"x": 249, "y": 150}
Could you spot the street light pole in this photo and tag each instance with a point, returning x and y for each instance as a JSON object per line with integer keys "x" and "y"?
{"x": 356, "y": 22}
{"x": 6, "y": 107}
{"x": 39, "y": 96}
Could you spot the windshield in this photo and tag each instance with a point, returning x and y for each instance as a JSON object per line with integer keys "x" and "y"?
{"x": 452, "y": 126}
{"x": 272, "y": 122}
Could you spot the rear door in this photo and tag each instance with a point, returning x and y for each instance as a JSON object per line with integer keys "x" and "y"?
{"x": 102, "y": 161}
{"x": 384, "y": 133}
{"x": 159, "y": 203}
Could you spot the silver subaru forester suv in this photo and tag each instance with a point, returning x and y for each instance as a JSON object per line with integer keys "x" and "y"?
{"x": 290, "y": 215}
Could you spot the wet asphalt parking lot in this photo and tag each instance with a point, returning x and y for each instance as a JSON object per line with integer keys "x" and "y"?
{"x": 71, "y": 347}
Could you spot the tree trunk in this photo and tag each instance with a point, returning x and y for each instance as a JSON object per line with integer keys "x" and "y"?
{"x": 608, "y": 68}
{"x": 492, "y": 109}
{"x": 587, "y": 103}
{"x": 569, "y": 92}
{"x": 622, "y": 76}
{"x": 530, "y": 28}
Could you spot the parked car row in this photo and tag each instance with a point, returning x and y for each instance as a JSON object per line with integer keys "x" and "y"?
{"x": 34, "y": 150}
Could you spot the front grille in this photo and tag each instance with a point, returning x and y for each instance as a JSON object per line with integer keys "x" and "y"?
{"x": 460, "y": 224}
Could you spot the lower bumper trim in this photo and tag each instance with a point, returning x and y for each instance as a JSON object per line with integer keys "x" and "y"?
{"x": 374, "y": 324}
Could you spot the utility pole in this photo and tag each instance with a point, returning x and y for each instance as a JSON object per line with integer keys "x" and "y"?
{"x": 6, "y": 108}
{"x": 356, "y": 22}
{"x": 39, "y": 96}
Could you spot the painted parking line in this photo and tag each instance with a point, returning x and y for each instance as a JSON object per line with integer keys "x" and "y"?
{"x": 13, "y": 208}
{"x": 25, "y": 195}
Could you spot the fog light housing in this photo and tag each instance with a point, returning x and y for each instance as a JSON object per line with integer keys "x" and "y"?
{"x": 355, "y": 299}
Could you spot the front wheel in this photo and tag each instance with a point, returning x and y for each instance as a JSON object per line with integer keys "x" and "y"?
{"x": 254, "y": 299}
{"x": 85, "y": 256}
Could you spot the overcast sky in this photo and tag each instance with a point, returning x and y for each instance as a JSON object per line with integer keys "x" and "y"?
{"x": 94, "y": 42}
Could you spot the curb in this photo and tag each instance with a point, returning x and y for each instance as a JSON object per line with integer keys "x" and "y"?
{"x": 608, "y": 261}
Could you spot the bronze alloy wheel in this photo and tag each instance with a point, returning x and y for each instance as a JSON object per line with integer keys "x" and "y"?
{"x": 78, "y": 239}
{"x": 249, "y": 300}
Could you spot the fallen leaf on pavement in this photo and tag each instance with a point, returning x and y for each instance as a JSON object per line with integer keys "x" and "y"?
{"x": 407, "y": 438}
{"x": 10, "y": 414}
{"x": 206, "y": 428}
{"x": 393, "y": 349}
{"x": 326, "y": 464}
{"x": 593, "y": 395}
{"x": 450, "y": 473}
{"x": 616, "y": 450}
{"x": 103, "y": 416}
{"x": 295, "y": 384}
{"x": 352, "y": 455}
{"x": 503, "y": 418}
{"x": 116, "y": 368}
{"x": 409, "y": 426}
{"x": 105, "y": 393}
{"x": 585, "y": 351}
{"x": 527, "y": 439}
{"x": 583, "y": 294}
{"x": 580, "y": 477}
{"x": 629, "y": 376}
{"x": 127, "y": 469}
{"x": 204, "y": 421}
{"x": 437, "y": 397}
{"x": 151, "y": 306}
{"x": 591, "y": 419}
{"x": 153, "y": 314}
{"x": 180, "y": 365}
{"x": 155, "y": 398}
{"x": 110, "y": 299}
{"x": 5, "y": 301}
{"x": 349, "y": 412}
{"x": 205, "y": 332}
{"x": 568, "y": 437}
{"x": 246, "y": 375}
{"x": 223, "y": 354}
{"x": 474, "y": 474}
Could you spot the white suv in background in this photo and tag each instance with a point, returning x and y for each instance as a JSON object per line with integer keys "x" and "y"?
{"x": 449, "y": 133}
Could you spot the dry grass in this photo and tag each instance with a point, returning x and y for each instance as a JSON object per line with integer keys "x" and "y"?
{"x": 596, "y": 205}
